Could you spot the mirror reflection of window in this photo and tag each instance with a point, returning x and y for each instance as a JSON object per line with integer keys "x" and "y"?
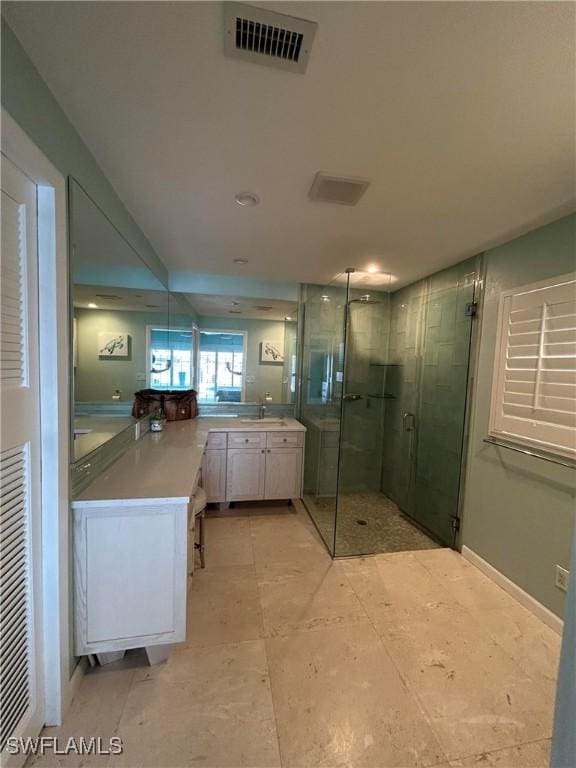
{"x": 221, "y": 367}
{"x": 171, "y": 358}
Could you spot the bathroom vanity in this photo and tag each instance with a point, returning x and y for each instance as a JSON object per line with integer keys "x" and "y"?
{"x": 134, "y": 528}
{"x": 262, "y": 459}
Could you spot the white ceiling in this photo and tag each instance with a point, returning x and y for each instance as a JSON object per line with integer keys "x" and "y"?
{"x": 241, "y": 307}
{"x": 462, "y": 115}
{"x": 120, "y": 299}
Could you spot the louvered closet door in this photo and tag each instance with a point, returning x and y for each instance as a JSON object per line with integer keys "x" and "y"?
{"x": 20, "y": 545}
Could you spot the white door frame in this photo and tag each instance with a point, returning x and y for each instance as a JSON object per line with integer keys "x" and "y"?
{"x": 53, "y": 300}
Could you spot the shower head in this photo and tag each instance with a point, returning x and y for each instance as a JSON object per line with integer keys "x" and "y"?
{"x": 366, "y": 299}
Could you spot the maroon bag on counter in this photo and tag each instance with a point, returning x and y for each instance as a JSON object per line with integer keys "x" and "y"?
{"x": 177, "y": 404}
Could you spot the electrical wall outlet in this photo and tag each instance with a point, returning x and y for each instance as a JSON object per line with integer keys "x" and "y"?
{"x": 561, "y": 579}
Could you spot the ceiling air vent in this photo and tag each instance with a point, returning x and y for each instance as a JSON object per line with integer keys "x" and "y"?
{"x": 337, "y": 189}
{"x": 266, "y": 37}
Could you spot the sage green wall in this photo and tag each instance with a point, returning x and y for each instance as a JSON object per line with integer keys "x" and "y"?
{"x": 268, "y": 376}
{"x": 518, "y": 511}
{"x": 30, "y": 102}
{"x": 95, "y": 379}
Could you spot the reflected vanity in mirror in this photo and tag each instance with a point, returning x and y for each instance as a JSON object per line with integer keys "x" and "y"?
{"x": 120, "y": 314}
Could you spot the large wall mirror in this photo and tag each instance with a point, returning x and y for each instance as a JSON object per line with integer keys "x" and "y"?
{"x": 120, "y": 311}
{"x": 130, "y": 333}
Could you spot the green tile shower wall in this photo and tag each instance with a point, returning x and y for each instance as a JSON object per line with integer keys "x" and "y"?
{"x": 30, "y": 102}
{"x": 363, "y": 424}
{"x": 518, "y": 511}
{"x": 429, "y": 341}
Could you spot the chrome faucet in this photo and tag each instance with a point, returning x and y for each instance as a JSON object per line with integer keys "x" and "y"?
{"x": 262, "y": 407}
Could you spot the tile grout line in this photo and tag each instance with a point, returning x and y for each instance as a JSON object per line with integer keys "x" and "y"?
{"x": 476, "y": 617}
{"x": 414, "y": 694}
{"x": 265, "y": 645}
{"x": 411, "y": 692}
{"x": 500, "y": 749}
{"x": 115, "y": 731}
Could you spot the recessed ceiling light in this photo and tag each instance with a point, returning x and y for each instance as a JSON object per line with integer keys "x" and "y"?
{"x": 92, "y": 305}
{"x": 247, "y": 199}
{"x": 241, "y": 261}
{"x": 324, "y": 297}
{"x": 287, "y": 318}
{"x": 372, "y": 268}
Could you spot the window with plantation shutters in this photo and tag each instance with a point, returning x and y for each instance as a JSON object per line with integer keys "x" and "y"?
{"x": 534, "y": 385}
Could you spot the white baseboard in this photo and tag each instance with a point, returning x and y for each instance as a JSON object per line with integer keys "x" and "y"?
{"x": 529, "y": 602}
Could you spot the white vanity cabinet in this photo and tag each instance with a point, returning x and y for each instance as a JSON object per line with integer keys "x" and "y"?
{"x": 246, "y": 474}
{"x": 134, "y": 527}
{"x": 214, "y": 467}
{"x": 130, "y": 574}
{"x": 283, "y": 473}
{"x": 255, "y": 465}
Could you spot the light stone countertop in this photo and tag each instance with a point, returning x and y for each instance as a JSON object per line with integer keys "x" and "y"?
{"x": 163, "y": 465}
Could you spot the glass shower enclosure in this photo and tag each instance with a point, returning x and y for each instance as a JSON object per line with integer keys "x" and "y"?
{"x": 383, "y": 397}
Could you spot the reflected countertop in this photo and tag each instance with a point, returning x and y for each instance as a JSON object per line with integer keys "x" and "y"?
{"x": 90, "y": 432}
{"x": 163, "y": 465}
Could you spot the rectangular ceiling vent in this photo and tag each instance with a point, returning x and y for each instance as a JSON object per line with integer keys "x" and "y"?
{"x": 337, "y": 189}
{"x": 266, "y": 37}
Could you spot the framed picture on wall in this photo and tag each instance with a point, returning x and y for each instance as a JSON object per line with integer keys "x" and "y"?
{"x": 113, "y": 346}
{"x": 272, "y": 352}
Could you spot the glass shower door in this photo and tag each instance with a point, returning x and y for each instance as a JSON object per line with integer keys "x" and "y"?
{"x": 359, "y": 520}
{"x": 321, "y": 402}
{"x": 435, "y": 431}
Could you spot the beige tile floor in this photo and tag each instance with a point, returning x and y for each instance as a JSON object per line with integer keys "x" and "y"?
{"x": 390, "y": 661}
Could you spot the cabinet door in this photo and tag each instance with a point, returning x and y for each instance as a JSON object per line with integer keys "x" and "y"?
{"x": 214, "y": 475}
{"x": 245, "y": 474}
{"x": 131, "y": 575}
{"x": 283, "y": 473}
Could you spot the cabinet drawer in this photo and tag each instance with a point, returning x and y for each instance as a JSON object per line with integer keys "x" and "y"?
{"x": 285, "y": 439}
{"x": 216, "y": 440}
{"x": 247, "y": 440}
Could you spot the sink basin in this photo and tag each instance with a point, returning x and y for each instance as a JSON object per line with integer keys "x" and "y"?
{"x": 265, "y": 422}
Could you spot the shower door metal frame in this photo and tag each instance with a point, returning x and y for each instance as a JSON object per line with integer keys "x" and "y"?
{"x": 479, "y": 295}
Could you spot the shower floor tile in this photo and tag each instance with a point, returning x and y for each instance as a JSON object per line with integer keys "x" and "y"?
{"x": 367, "y": 523}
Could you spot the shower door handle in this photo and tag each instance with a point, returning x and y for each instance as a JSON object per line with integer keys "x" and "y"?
{"x": 351, "y": 397}
{"x": 409, "y": 421}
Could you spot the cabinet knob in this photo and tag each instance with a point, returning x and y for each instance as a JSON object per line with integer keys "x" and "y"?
{"x": 262, "y": 451}
{"x": 285, "y": 439}
{"x": 245, "y": 439}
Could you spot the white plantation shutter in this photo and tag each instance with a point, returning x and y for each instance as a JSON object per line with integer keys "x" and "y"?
{"x": 534, "y": 386}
